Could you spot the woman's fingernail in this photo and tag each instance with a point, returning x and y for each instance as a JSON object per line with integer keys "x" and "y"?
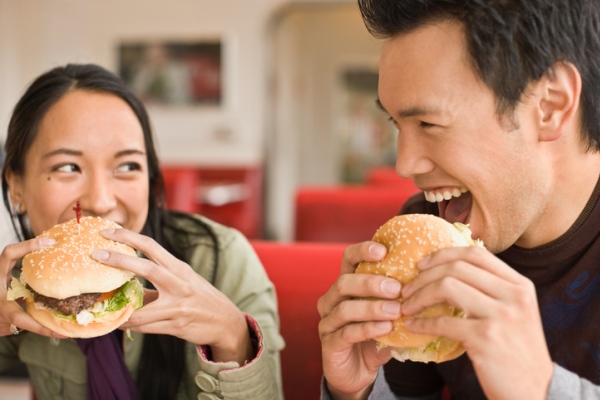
{"x": 390, "y": 287}
{"x": 100, "y": 255}
{"x": 107, "y": 231}
{"x": 46, "y": 242}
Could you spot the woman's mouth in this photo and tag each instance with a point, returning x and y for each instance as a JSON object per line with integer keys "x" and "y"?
{"x": 454, "y": 204}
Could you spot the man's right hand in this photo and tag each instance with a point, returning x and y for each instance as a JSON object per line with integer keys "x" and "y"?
{"x": 357, "y": 308}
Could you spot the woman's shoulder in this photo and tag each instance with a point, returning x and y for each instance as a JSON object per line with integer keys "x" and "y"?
{"x": 194, "y": 229}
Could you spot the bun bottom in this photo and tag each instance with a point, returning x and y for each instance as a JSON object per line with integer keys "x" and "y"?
{"x": 74, "y": 330}
{"x": 445, "y": 350}
{"x": 411, "y": 346}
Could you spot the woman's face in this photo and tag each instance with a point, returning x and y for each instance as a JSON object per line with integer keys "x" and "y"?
{"x": 89, "y": 148}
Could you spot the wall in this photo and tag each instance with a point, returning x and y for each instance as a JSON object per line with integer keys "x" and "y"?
{"x": 311, "y": 46}
{"x": 282, "y": 59}
{"x": 36, "y": 35}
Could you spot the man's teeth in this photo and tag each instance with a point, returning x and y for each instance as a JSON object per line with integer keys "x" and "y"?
{"x": 445, "y": 195}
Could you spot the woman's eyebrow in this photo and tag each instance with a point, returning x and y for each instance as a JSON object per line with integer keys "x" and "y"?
{"x": 69, "y": 152}
{"x": 128, "y": 152}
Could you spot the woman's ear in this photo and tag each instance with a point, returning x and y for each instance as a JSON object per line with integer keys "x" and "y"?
{"x": 15, "y": 191}
{"x": 560, "y": 90}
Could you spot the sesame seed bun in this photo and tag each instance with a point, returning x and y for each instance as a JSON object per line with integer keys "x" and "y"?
{"x": 410, "y": 238}
{"x": 67, "y": 268}
{"x": 55, "y": 280}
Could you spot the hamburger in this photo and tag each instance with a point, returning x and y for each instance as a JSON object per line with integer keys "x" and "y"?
{"x": 69, "y": 292}
{"x": 408, "y": 239}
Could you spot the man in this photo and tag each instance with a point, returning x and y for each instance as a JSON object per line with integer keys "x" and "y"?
{"x": 500, "y": 100}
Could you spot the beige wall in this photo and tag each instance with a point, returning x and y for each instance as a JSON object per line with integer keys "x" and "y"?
{"x": 312, "y": 44}
{"x": 281, "y": 103}
{"x": 36, "y": 35}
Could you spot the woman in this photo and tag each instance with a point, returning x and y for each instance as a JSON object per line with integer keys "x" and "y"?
{"x": 209, "y": 323}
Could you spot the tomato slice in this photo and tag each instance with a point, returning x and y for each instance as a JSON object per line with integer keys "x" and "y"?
{"x": 107, "y": 295}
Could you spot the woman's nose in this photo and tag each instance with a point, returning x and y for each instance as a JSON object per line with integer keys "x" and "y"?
{"x": 99, "y": 198}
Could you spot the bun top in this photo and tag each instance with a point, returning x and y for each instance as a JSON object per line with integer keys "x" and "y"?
{"x": 67, "y": 268}
{"x": 410, "y": 238}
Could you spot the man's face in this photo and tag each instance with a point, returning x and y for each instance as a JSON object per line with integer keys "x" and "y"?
{"x": 483, "y": 170}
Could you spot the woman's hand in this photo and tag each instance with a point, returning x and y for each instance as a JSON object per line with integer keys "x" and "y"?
{"x": 12, "y": 315}
{"x": 349, "y": 320}
{"x": 184, "y": 304}
{"x": 502, "y": 333}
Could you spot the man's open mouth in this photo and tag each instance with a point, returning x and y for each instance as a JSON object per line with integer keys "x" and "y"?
{"x": 454, "y": 204}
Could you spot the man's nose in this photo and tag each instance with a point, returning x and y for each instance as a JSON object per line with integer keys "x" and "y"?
{"x": 413, "y": 158}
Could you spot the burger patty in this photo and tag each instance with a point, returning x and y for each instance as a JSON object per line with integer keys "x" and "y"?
{"x": 69, "y": 306}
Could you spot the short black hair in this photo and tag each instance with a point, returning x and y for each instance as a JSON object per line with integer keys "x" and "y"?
{"x": 511, "y": 43}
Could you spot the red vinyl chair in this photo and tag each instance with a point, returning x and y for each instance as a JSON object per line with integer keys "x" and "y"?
{"x": 181, "y": 188}
{"x": 301, "y": 273}
{"x": 387, "y": 176}
{"x": 346, "y": 214}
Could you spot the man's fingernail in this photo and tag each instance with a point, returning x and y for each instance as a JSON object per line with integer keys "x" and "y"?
{"x": 390, "y": 286}
{"x": 46, "y": 242}
{"x": 107, "y": 231}
{"x": 383, "y": 325}
{"x": 377, "y": 250}
{"x": 100, "y": 255}
{"x": 391, "y": 307}
{"x": 423, "y": 262}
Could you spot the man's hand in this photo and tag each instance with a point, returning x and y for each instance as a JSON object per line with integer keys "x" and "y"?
{"x": 357, "y": 308}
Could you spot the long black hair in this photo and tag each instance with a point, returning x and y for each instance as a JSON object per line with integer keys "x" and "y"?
{"x": 162, "y": 362}
{"x": 511, "y": 43}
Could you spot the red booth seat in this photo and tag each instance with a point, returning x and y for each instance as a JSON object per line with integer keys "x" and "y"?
{"x": 388, "y": 176}
{"x": 345, "y": 213}
{"x": 229, "y": 195}
{"x": 181, "y": 186}
{"x": 301, "y": 273}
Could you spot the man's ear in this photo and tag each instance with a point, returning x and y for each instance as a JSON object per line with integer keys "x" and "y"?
{"x": 15, "y": 190}
{"x": 559, "y": 101}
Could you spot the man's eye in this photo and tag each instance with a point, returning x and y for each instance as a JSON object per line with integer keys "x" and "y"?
{"x": 424, "y": 124}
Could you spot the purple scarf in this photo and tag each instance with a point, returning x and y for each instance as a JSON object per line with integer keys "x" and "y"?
{"x": 108, "y": 376}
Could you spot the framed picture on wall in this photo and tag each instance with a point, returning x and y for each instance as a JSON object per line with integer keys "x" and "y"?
{"x": 173, "y": 73}
{"x": 368, "y": 137}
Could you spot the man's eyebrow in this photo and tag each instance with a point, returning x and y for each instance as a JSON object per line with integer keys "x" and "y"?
{"x": 380, "y": 106}
{"x": 409, "y": 112}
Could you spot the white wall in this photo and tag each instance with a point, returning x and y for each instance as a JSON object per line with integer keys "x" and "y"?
{"x": 36, "y": 35}
{"x": 281, "y": 62}
{"x": 312, "y": 44}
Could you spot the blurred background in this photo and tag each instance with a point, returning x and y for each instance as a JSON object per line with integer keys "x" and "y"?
{"x": 265, "y": 120}
{"x": 276, "y": 92}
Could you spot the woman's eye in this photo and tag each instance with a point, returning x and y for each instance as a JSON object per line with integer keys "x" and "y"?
{"x": 133, "y": 166}
{"x": 67, "y": 168}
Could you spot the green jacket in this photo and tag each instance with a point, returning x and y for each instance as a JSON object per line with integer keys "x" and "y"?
{"x": 57, "y": 368}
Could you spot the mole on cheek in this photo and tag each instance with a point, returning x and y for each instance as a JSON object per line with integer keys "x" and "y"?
{"x": 49, "y": 178}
